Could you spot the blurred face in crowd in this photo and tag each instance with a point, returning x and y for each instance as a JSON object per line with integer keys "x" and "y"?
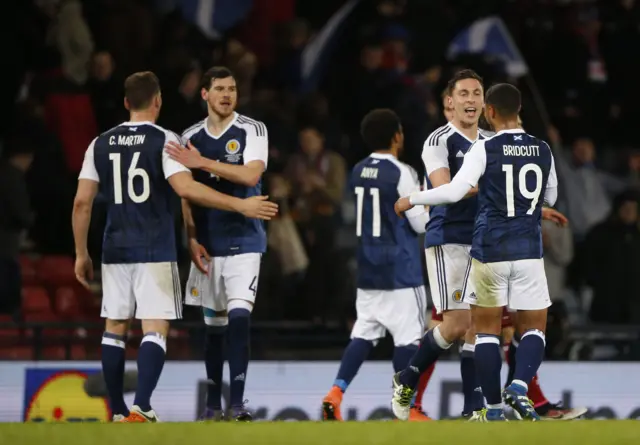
{"x": 448, "y": 109}
{"x": 371, "y": 57}
{"x": 583, "y": 151}
{"x": 102, "y": 66}
{"x": 628, "y": 213}
{"x": 222, "y": 96}
{"x": 311, "y": 142}
{"x": 467, "y": 100}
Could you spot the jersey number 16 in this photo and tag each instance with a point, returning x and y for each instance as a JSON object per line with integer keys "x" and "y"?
{"x": 133, "y": 172}
{"x": 531, "y": 195}
{"x": 375, "y": 209}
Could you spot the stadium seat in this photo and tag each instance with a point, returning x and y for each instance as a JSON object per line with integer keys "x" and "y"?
{"x": 35, "y": 299}
{"x": 49, "y": 334}
{"x": 56, "y": 271}
{"x": 28, "y": 271}
{"x": 60, "y": 353}
{"x": 9, "y": 336}
{"x": 16, "y": 353}
{"x": 67, "y": 305}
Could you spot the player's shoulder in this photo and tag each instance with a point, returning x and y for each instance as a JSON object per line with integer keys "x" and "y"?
{"x": 439, "y": 136}
{"x": 253, "y": 126}
{"x": 193, "y": 129}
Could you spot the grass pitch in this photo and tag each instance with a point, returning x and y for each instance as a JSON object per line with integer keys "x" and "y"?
{"x": 596, "y": 432}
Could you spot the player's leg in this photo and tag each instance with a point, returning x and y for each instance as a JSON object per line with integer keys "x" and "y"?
{"x": 446, "y": 266}
{"x": 435, "y": 320}
{"x": 203, "y": 290}
{"x": 366, "y": 333}
{"x": 159, "y": 299}
{"x": 118, "y": 306}
{"x": 529, "y": 295}
{"x": 487, "y": 291}
{"x": 240, "y": 275}
{"x": 402, "y": 313}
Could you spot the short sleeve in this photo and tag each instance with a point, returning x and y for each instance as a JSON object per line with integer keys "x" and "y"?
{"x": 89, "y": 170}
{"x": 435, "y": 154}
{"x": 169, "y": 166}
{"x": 257, "y": 148}
{"x": 408, "y": 184}
{"x": 552, "y": 181}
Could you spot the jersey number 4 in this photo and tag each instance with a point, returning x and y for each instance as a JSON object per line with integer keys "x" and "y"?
{"x": 375, "y": 201}
{"x": 531, "y": 195}
{"x": 133, "y": 172}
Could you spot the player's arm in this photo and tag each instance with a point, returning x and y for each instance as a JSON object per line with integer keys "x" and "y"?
{"x": 436, "y": 163}
{"x": 468, "y": 176}
{"x": 408, "y": 184}
{"x": 81, "y": 215}
{"x": 551, "y": 192}
{"x": 255, "y": 157}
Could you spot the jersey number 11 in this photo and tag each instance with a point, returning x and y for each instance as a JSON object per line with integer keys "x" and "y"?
{"x": 375, "y": 201}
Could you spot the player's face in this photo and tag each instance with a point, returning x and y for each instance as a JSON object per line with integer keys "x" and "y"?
{"x": 628, "y": 213}
{"x": 222, "y": 97}
{"x": 467, "y": 100}
{"x": 448, "y": 110}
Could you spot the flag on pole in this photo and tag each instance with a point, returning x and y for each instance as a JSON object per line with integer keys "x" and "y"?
{"x": 490, "y": 36}
{"x": 316, "y": 54}
{"x": 215, "y": 16}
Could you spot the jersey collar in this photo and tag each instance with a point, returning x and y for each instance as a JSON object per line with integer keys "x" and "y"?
{"x": 382, "y": 156}
{"x": 231, "y": 124}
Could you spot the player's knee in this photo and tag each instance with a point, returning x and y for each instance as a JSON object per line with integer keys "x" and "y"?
{"x": 215, "y": 318}
{"x": 158, "y": 326}
{"x": 371, "y": 343}
{"x": 158, "y": 338}
{"x": 239, "y": 306}
{"x": 117, "y": 327}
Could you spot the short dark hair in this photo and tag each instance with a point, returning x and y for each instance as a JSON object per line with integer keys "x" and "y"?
{"x": 140, "y": 88}
{"x": 216, "y": 72}
{"x": 379, "y": 127}
{"x": 505, "y": 98}
{"x": 461, "y": 75}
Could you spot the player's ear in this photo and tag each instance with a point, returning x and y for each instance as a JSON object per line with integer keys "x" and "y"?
{"x": 450, "y": 101}
{"x": 126, "y": 104}
{"x": 204, "y": 94}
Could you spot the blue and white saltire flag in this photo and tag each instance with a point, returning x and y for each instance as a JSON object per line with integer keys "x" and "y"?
{"x": 213, "y": 17}
{"x": 316, "y": 54}
{"x": 490, "y": 36}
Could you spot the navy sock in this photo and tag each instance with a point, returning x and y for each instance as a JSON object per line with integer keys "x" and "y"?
{"x": 431, "y": 347}
{"x": 239, "y": 328}
{"x": 113, "y": 371}
{"x": 214, "y": 363}
{"x": 511, "y": 357}
{"x": 488, "y": 364}
{"x": 354, "y": 355}
{"x": 473, "y": 398}
{"x": 529, "y": 356}
{"x": 402, "y": 356}
{"x": 150, "y": 363}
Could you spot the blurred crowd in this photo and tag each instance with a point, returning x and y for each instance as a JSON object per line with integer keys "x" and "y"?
{"x": 70, "y": 58}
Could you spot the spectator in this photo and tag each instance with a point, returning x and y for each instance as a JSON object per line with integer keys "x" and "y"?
{"x": 613, "y": 261}
{"x": 106, "y": 91}
{"x": 15, "y": 217}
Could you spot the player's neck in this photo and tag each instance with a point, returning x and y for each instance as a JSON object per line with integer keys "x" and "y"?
{"x": 391, "y": 152}
{"x": 470, "y": 132}
{"x": 217, "y": 124}
{"x": 143, "y": 116}
{"x": 505, "y": 125}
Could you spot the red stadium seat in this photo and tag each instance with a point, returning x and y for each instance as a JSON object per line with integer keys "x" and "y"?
{"x": 35, "y": 299}
{"x": 60, "y": 353}
{"x": 49, "y": 334}
{"x": 28, "y": 271}
{"x": 16, "y": 353}
{"x": 67, "y": 303}
{"x": 56, "y": 271}
{"x": 9, "y": 336}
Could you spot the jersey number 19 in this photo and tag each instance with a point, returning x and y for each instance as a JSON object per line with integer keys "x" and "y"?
{"x": 375, "y": 201}
{"x": 133, "y": 172}
{"x": 531, "y": 195}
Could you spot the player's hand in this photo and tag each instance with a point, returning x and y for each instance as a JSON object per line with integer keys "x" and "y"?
{"x": 199, "y": 256}
{"x": 555, "y": 216}
{"x": 258, "y": 207}
{"x": 401, "y": 206}
{"x": 84, "y": 269}
{"x": 190, "y": 157}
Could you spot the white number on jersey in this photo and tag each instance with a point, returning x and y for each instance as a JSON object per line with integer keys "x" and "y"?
{"x": 375, "y": 200}
{"x": 532, "y": 195}
{"x": 132, "y": 173}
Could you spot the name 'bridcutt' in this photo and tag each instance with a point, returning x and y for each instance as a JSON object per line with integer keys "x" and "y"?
{"x": 521, "y": 150}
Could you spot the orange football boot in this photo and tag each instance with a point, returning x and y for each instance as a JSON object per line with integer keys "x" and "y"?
{"x": 331, "y": 405}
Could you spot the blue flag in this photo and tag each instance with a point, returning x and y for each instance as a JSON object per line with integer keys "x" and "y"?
{"x": 215, "y": 16}
{"x": 490, "y": 36}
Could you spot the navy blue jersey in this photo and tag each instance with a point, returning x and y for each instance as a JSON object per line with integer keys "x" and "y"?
{"x": 221, "y": 232}
{"x": 518, "y": 170}
{"x": 388, "y": 248}
{"x": 132, "y": 168}
{"x": 450, "y": 224}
